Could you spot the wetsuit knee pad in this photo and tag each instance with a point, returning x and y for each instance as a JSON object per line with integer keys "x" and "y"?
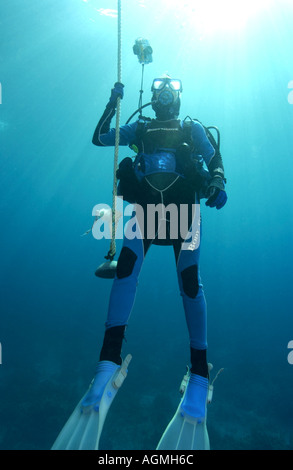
{"x": 190, "y": 283}
{"x": 126, "y": 262}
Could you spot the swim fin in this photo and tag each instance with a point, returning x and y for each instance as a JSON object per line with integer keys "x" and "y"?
{"x": 84, "y": 427}
{"x": 188, "y": 428}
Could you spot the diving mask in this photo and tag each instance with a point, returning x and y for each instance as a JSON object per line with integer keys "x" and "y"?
{"x": 160, "y": 83}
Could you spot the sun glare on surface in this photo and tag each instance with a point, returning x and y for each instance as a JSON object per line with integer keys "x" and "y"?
{"x": 213, "y": 15}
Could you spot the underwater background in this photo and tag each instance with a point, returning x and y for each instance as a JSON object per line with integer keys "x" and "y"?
{"x": 58, "y": 64}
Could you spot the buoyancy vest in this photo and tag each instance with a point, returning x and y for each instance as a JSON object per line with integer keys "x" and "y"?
{"x": 160, "y": 134}
{"x": 163, "y": 147}
{"x": 158, "y": 143}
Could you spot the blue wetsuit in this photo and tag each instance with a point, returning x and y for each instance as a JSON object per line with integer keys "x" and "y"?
{"x": 134, "y": 250}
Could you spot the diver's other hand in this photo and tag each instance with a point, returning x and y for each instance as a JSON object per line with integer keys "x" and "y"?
{"x": 217, "y": 196}
{"x": 116, "y": 92}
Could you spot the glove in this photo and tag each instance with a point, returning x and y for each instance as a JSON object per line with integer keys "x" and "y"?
{"x": 116, "y": 92}
{"x": 217, "y": 196}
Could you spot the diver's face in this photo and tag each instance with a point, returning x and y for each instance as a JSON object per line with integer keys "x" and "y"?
{"x": 166, "y": 90}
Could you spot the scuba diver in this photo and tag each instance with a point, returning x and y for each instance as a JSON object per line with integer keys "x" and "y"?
{"x": 168, "y": 169}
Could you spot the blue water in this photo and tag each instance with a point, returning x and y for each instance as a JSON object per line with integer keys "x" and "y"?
{"x": 58, "y": 63}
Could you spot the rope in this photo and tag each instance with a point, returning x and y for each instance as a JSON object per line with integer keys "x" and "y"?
{"x": 112, "y": 250}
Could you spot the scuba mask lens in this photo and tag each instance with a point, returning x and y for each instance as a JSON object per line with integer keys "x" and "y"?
{"x": 160, "y": 83}
{"x": 176, "y": 85}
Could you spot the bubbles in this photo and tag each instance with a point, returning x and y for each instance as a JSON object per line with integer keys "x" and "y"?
{"x": 110, "y": 12}
{"x": 107, "y": 12}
